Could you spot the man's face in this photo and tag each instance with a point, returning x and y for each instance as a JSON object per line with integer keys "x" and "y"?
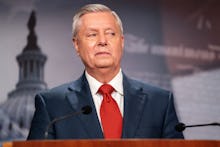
{"x": 99, "y": 41}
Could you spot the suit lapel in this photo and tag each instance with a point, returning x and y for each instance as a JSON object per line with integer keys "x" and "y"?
{"x": 79, "y": 95}
{"x": 134, "y": 101}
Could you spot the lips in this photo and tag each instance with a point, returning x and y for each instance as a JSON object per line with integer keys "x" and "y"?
{"x": 102, "y": 53}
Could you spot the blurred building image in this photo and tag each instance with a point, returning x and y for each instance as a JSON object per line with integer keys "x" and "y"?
{"x": 16, "y": 113}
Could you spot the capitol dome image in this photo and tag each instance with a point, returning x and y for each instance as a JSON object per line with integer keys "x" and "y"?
{"x": 17, "y": 111}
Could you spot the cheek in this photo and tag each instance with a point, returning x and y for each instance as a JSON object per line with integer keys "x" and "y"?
{"x": 86, "y": 46}
{"x": 87, "y": 50}
{"x": 118, "y": 50}
{"x": 89, "y": 44}
{"x": 117, "y": 55}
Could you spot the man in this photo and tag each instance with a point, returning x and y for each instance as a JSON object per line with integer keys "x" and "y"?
{"x": 121, "y": 107}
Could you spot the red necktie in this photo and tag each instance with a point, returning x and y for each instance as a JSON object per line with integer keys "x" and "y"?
{"x": 110, "y": 114}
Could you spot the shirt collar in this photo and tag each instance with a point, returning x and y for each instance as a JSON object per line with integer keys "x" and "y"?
{"x": 116, "y": 83}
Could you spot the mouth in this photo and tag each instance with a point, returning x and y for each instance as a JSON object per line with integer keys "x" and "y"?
{"x": 102, "y": 54}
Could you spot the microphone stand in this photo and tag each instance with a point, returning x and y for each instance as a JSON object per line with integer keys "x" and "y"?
{"x": 181, "y": 126}
{"x": 200, "y": 125}
{"x": 84, "y": 110}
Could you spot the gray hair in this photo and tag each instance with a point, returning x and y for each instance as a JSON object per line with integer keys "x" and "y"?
{"x": 90, "y": 8}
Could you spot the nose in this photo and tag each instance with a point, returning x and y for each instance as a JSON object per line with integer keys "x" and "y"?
{"x": 102, "y": 41}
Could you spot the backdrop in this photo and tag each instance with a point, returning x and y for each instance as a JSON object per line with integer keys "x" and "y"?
{"x": 168, "y": 43}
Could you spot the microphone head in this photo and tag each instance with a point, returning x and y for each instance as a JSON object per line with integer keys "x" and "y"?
{"x": 180, "y": 127}
{"x": 86, "y": 109}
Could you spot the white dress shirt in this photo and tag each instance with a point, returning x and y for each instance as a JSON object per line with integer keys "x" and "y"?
{"x": 118, "y": 94}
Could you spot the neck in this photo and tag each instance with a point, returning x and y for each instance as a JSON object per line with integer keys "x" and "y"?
{"x": 103, "y": 75}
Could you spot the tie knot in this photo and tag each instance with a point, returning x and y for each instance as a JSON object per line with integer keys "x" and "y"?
{"x": 106, "y": 89}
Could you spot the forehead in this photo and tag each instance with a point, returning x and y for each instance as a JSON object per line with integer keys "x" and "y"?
{"x": 95, "y": 19}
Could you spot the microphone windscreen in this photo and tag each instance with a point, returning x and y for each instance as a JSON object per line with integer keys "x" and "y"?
{"x": 180, "y": 127}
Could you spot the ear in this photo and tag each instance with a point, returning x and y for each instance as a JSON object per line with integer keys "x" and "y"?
{"x": 75, "y": 44}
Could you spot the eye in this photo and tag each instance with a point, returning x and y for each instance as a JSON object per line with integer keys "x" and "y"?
{"x": 113, "y": 34}
{"x": 110, "y": 33}
{"x": 91, "y": 34}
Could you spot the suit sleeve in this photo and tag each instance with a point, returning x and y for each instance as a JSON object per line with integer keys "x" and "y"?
{"x": 170, "y": 121}
{"x": 40, "y": 120}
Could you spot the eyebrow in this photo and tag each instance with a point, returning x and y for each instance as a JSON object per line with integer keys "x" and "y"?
{"x": 96, "y": 30}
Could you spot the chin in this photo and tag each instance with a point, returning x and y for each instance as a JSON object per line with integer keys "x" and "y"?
{"x": 104, "y": 63}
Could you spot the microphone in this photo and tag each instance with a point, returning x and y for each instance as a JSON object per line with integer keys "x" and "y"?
{"x": 84, "y": 110}
{"x": 181, "y": 126}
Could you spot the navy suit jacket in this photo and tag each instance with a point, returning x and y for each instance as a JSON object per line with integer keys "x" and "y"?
{"x": 148, "y": 112}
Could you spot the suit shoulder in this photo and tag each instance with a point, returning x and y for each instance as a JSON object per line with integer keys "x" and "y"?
{"x": 56, "y": 92}
{"x": 147, "y": 88}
